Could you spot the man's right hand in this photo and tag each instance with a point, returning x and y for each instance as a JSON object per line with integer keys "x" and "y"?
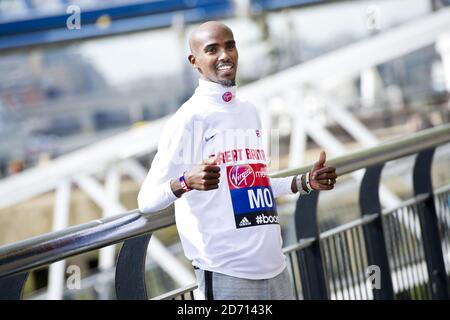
{"x": 204, "y": 176}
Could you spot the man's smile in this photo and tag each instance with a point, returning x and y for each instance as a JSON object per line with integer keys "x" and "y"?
{"x": 225, "y": 67}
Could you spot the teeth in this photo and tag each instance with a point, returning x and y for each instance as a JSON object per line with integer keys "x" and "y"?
{"x": 224, "y": 67}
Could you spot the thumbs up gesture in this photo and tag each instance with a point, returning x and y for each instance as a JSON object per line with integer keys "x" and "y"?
{"x": 204, "y": 176}
{"x": 321, "y": 176}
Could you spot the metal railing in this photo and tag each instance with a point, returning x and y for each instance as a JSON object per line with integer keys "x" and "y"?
{"x": 328, "y": 265}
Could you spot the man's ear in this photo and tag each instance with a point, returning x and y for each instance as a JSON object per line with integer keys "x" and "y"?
{"x": 191, "y": 60}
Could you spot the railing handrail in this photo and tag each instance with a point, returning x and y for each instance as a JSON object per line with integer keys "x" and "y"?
{"x": 42, "y": 250}
{"x": 386, "y": 151}
{"x": 54, "y": 246}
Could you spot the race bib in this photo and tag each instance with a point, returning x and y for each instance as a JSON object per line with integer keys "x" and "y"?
{"x": 251, "y": 195}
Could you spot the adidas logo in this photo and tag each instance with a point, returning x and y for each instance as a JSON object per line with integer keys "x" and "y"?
{"x": 244, "y": 222}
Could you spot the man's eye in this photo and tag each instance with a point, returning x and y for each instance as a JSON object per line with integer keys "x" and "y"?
{"x": 231, "y": 45}
{"x": 211, "y": 50}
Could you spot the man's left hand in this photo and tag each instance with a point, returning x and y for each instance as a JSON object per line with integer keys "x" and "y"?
{"x": 322, "y": 177}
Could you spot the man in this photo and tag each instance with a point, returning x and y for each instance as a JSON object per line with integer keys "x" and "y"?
{"x": 210, "y": 158}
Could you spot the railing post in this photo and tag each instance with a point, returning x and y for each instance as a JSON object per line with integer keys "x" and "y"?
{"x": 11, "y": 287}
{"x": 314, "y": 281}
{"x": 369, "y": 203}
{"x": 429, "y": 225}
{"x": 130, "y": 269}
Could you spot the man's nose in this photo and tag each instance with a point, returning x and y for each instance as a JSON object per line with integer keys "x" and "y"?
{"x": 224, "y": 55}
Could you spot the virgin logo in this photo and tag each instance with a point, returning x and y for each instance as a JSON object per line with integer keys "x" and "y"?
{"x": 227, "y": 96}
{"x": 242, "y": 176}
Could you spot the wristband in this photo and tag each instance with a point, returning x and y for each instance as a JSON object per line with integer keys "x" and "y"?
{"x": 183, "y": 183}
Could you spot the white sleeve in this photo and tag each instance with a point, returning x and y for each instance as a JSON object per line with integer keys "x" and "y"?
{"x": 281, "y": 186}
{"x": 155, "y": 193}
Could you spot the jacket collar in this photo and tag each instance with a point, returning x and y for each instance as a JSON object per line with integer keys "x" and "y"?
{"x": 216, "y": 92}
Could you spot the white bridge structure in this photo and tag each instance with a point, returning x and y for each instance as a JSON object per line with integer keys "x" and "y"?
{"x": 290, "y": 93}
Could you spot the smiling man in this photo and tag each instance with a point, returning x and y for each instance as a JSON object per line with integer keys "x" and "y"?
{"x": 209, "y": 40}
{"x": 211, "y": 162}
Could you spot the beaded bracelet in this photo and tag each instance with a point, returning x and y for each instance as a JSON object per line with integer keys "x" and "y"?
{"x": 301, "y": 184}
{"x": 308, "y": 182}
